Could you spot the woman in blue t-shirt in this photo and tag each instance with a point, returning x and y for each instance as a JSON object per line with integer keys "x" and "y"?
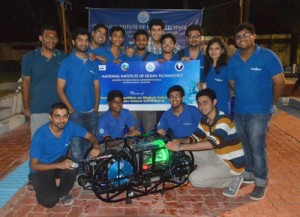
{"x": 215, "y": 71}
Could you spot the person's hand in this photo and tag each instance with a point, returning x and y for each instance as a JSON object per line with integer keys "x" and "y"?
{"x": 95, "y": 152}
{"x": 161, "y": 132}
{"x": 117, "y": 61}
{"x": 133, "y": 133}
{"x": 161, "y": 60}
{"x": 92, "y": 56}
{"x": 173, "y": 145}
{"x": 66, "y": 164}
{"x": 26, "y": 113}
{"x": 200, "y": 85}
{"x": 186, "y": 59}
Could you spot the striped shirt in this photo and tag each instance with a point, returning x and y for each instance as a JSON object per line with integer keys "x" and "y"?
{"x": 224, "y": 139}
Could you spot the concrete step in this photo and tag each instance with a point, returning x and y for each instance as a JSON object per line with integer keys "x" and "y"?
{"x": 13, "y": 100}
{"x": 5, "y": 112}
{"x": 294, "y": 102}
{"x": 11, "y": 122}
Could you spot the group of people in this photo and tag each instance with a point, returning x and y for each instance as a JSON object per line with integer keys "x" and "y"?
{"x": 228, "y": 151}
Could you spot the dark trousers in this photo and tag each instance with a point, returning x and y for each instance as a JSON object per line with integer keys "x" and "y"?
{"x": 47, "y": 193}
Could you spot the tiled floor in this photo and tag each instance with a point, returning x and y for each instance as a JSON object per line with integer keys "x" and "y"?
{"x": 282, "y": 198}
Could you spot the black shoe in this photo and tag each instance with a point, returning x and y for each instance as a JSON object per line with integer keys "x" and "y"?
{"x": 258, "y": 193}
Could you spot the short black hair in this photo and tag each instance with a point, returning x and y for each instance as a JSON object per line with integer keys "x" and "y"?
{"x": 80, "y": 31}
{"x": 207, "y": 92}
{"x": 117, "y": 28}
{"x": 114, "y": 94}
{"x": 168, "y": 35}
{"x": 140, "y": 32}
{"x": 100, "y": 25}
{"x": 248, "y": 26}
{"x": 58, "y": 105}
{"x": 192, "y": 27}
{"x": 47, "y": 27}
{"x": 156, "y": 22}
{"x": 175, "y": 88}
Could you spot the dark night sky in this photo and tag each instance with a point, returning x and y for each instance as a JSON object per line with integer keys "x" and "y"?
{"x": 21, "y": 19}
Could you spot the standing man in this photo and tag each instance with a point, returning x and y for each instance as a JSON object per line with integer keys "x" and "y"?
{"x": 156, "y": 31}
{"x": 216, "y": 148}
{"x": 148, "y": 118}
{"x": 78, "y": 87}
{"x": 181, "y": 119}
{"x": 193, "y": 50}
{"x": 168, "y": 42}
{"x": 256, "y": 76}
{"x": 99, "y": 35}
{"x": 39, "y": 74}
{"x": 54, "y": 173}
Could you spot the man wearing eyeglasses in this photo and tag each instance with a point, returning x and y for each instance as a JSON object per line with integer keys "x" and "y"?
{"x": 97, "y": 43}
{"x": 193, "y": 49}
{"x": 256, "y": 76}
{"x": 181, "y": 120}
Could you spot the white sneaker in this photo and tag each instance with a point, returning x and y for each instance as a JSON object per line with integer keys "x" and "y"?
{"x": 233, "y": 188}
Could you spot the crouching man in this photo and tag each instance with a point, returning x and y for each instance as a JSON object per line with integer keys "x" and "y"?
{"x": 216, "y": 148}
{"x": 54, "y": 174}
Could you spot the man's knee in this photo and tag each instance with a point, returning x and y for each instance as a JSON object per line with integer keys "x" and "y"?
{"x": 197, "y": 181}
{"x": 48, "y": 202}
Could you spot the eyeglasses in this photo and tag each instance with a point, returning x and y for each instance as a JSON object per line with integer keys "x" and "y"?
{"x": 245, "y": 35}
{"x": 191, "y": 37}
{"x": 167, "y": 43}
{"x": 101, "y": 34}
{"x": 177, "y": 96}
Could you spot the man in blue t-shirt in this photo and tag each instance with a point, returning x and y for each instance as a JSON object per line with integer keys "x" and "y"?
{"x": 54, "y": 173}
{"x": 113, "y": 123}
{"x": 256, "y": 76}
{"x": 39, "y": 74}
{"x": 147, "y": 118}
{"x": 79, "y": 88}
{"x": 181, "y": 119}
{"x": 193, "y": 51}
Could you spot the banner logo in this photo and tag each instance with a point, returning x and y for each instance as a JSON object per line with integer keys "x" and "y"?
{"x": 179, "y": 66}
{"x": 125, "y": 67}
{"x": 150, "y": 67}
{"x": 143, "y": 17}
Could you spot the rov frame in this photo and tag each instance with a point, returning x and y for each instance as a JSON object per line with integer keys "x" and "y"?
{"x": 132, "y": 167}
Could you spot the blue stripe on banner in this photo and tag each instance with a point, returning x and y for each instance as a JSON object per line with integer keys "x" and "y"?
{"x": 12, "y": 183}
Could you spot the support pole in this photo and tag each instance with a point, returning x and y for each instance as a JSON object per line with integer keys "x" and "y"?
{"x": 62, "y": 7}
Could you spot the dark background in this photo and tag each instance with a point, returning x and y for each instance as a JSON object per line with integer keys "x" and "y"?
{"x": 21, "y": 19}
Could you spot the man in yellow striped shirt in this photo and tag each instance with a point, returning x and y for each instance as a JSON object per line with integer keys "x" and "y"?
{"x": 216, "y": 147}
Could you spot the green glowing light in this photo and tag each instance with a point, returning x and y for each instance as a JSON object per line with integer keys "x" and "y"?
{"x": 162, "y": 155}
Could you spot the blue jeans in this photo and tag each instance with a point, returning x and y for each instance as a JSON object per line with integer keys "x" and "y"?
{"x": 252, "y": 130}
{"x": 80, "y": 146}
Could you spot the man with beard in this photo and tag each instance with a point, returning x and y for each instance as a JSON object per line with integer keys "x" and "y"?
{"x": 147, "y": 118}
{"x": 181, "y": 119}
{"x": 78, "y": 87}
{"x": 216, "y": 147}
{"x": 256, "y": 77}
{"x": 54, "y": 173}
{"x": 39, "y": 74}
{"x": 193, "y": 50}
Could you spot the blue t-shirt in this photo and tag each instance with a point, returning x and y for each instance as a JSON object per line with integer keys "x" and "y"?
{"x": 47, "y": 148}
{"x": 253, "y": 88}
{"x": 43, "y": 79}
{"x": 219, "y": 83}
{"x": 183, "y": 125}
{"x": 174, "y": 58}
{"x": 135, "y": 57}
{"x": 79, "y": 77}
{"x": 106, "y": 52}
{"x": 199, "y": 57}
{"x": 114, "y": 127}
